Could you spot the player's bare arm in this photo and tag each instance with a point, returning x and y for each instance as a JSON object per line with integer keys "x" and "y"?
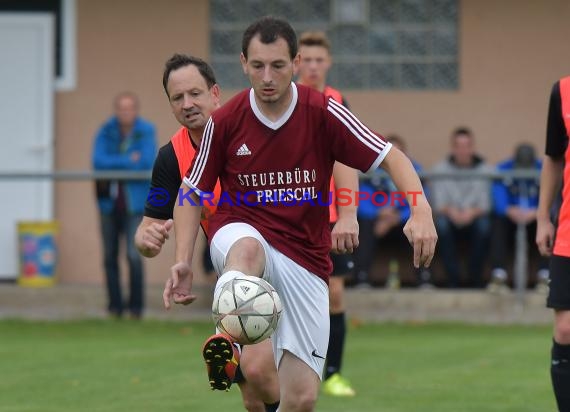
{"x": 345, "y": 231}
{"x": 186, "y": 224}
{"x": 419, "y": 229}
{"x": 550, "y": 179}
{"x": 151, "y": 235}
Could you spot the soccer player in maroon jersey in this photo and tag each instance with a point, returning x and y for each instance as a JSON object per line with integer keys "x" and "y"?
{"x": 275, "y": 146}
{"x": 193, "y": 93}
{"x": 555, "y": 242}
{"x": 314, "y": 64}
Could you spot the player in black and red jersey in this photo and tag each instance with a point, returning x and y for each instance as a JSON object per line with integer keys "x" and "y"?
{"x": 193, "y": 93}
{"x": 555, "y": 242}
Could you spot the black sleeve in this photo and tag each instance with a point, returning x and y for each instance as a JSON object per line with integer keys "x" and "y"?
{"x": 164, "y": 185}
{"x": 556, "y": 137}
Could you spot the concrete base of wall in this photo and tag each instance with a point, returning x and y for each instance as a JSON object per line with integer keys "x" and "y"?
{"x": 64, "y": 302}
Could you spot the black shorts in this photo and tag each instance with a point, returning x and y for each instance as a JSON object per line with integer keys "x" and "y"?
{"x": 559, "y": 285}
{"x": 342, "y": 264}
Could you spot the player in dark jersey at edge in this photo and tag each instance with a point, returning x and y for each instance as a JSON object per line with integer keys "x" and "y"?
{"x": 314, "y": 64}
{"x": 190, "y": 85}
{"x": 293, "y": 135}
{"x": 555, "y": 242}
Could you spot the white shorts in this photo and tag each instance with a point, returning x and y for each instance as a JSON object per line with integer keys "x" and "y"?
{"x": 304, "y": 326}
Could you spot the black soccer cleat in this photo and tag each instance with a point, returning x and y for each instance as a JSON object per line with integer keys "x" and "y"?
{"x": 222, "y": 359}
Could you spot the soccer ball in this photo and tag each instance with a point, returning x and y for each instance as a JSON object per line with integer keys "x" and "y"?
{"x": 247, "y": 309}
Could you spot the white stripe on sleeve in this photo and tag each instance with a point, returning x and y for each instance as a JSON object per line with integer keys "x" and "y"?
{"x": 187, "y": 182}
{"x": 202, "y": 158}
{"x": 358, "y": 129}
{"x": 380, "y": 157}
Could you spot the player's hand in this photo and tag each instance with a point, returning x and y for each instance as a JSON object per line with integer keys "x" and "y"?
{"x": 544, "y": 236}
{"x": 345, "y": 235}
{"x": 179, "y": 285}
{"x": 421, "y": 233}
{"x": 154, "y": 236}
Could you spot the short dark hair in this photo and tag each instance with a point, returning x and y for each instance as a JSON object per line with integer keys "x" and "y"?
{"x": 270, "y": 29}
{"x": 525, "y": 156}
{"x": 178, "y": 61}
{"x": 462, "y": 131}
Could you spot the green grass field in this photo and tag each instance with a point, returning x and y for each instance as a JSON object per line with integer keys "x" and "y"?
{"x": 156, "y": 366}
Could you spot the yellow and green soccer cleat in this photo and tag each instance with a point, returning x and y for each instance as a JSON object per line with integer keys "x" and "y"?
{"x": 336, "y": 385}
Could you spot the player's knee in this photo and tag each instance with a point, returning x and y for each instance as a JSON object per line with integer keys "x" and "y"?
{"x": 304, "y": 401}
{"x": 252, "y": 373}
{"x": 562, "y": 330}
{"x": 253, "y": 404}
{"x": 256, "y": 374}
{"x": 250, "y": 248}
{"x": 248, "y": 254}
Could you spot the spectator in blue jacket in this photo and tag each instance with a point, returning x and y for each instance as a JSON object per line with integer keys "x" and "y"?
{"x": 515, "y": 202}
{"x": 378, "y": 221}
{"x": 124, "y": 142}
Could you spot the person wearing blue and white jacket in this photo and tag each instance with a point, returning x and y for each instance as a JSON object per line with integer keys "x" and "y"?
{"x": 124, "y": 142}
{"x": 515, "y": 202}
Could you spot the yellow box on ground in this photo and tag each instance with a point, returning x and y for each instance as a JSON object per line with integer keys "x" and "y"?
{"x": 37, "y": 253}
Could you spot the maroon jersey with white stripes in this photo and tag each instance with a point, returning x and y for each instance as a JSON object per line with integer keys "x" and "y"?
{"x": 275, "y": 175}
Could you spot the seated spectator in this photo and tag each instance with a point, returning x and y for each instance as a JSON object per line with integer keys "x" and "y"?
{"x": 378, "y": 220}
{"x": 462, "y": 205}
{"x": 515, "y": 201}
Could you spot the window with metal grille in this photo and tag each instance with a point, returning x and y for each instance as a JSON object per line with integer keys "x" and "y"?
{"x": 376, "y": 44}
